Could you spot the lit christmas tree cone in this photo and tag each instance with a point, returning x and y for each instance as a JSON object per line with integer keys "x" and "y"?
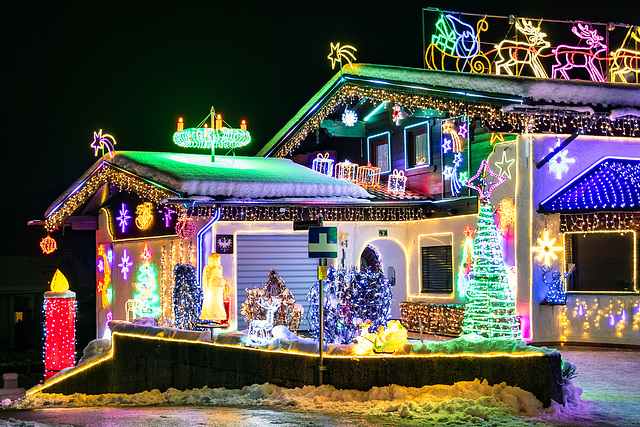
{"x": 60, "y": 326}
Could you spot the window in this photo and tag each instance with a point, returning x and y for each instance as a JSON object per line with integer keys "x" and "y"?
{"x": 605, "y": 261}
{"x": 437, "y": 269}
{"x": 380, "y": 151}
{"x": 416, "y": 145}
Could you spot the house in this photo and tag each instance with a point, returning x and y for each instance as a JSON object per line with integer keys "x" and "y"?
{"x": 568, "y": 152}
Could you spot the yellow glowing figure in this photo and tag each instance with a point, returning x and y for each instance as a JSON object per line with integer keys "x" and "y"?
{"x": 107, "y": 276}
{"x": 214, "y": 287}
{"x": 144, "y": 218}
{"x": 59, "y": 283}
{"x": 496, "y": 137}
{"x": 546, "y": 249}
{"x": 339, "y": 52}
{"x": 626, "y": 60}
{"x": 514, "y": 54}
{"x": 365, "y": 340}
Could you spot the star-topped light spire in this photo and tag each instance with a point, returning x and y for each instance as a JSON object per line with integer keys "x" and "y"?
{"x": 483, "y": 192}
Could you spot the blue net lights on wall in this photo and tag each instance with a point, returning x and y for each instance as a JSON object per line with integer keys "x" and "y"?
{"x": 187, "y": 296}
{"x": 350, "y": 298}
{"x": 607, "y": 184}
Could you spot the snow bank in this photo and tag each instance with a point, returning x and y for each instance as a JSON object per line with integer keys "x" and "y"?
{"x": 467, "y": 401}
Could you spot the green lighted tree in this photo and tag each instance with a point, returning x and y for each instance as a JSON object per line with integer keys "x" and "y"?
{"x": 490, "y": 310}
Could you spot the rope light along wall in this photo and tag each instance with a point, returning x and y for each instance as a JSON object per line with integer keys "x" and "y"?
{"x": 492, "y": 115}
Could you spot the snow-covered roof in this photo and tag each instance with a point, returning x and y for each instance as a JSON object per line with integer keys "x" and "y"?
{"x": 196, "y": 176}
{"x": 497, "y": 90}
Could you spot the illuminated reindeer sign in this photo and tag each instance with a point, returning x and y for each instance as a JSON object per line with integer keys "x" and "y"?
{"x": 569, "y": 57}
{"x": 626, "y": 61}
{"x": 513, "y": 53}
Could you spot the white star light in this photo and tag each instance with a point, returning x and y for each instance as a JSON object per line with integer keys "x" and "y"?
{"x": 505, "y": 165}
{"x": 559, "y": 164}
{"x": 125, "y": 264}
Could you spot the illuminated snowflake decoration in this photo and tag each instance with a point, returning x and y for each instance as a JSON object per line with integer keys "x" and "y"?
{"x": 123, "y": 218}
{"x": 349, "y": 117}
{"x": 545, "y": 249}
{"x": 559, "y": 164}
{"x": 125, "y": 264}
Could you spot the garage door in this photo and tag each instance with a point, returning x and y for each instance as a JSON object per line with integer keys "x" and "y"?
{"x": 287, "y": 254}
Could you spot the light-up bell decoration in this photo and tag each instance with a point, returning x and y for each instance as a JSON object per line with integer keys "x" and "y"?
{"x": 60, "y": 326}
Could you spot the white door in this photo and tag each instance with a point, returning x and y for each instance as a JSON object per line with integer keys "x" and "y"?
{"x": 287, "y": 254}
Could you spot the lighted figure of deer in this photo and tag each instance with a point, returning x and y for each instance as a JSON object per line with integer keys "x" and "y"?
{"x": 626, "y": 60}
{"x": 512, "y": 53}
{"x": 260, "y": 330}
{"x": 569, "y": 57}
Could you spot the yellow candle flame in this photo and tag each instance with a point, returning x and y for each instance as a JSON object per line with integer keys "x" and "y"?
{"x": 59, "y": 283}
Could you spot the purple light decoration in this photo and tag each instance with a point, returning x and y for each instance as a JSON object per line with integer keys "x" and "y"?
{"x": 167, "y": 211}
{"x": 101, "y": 265}
{"x": 623, "y": 315}
{"x": 610, "y": 184}
{"x": 581, "y": 310}
{"x": 612, "y": 320}
{"x": 110, "y": 256}
{"x": 123, "y": 218}
{"x": 570, "y": 57}
{"x": 125, "y": 264}
{"x": 463, "y": 130}
{"x": 482, "y": 193}
{"x": 446, "y": 144}
{"x": 101, "y": 141}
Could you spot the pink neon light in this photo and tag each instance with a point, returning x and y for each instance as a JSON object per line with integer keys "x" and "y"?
{"x": 570, "y": 57}
{"x": 484, "y": 168}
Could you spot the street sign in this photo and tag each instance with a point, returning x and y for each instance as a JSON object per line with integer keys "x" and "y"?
{"x": 323, "y": 242}
{"x": 322, "y": 272}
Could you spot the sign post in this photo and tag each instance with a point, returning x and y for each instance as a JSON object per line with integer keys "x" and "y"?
{"x": 323, "y": 244}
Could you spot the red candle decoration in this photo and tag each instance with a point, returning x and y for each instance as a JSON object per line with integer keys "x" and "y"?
{"x": 60, "y": 326}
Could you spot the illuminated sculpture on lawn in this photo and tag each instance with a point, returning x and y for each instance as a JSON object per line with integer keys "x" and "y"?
{"x": 288, "y": 313}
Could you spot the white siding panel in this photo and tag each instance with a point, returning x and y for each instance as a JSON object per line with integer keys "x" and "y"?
{"x": 287, "y": 254}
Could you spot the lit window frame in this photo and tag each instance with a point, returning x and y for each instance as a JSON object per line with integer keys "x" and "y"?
{"x": 369, "y": 154}
{"x": 427, "y": 124}
{"x": 569, "y": 258}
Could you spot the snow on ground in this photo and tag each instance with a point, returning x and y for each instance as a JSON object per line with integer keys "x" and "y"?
{"x": 467, "y": 402}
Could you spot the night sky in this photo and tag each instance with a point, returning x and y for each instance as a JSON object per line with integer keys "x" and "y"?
{"x": 132, "y": 68}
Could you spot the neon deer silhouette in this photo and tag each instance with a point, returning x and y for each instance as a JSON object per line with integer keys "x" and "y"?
{"x": 260, "y": 330}
{"x": 521, "y": 52}
{"x": 626, "y": 60}
{"x": 569, "y": 57}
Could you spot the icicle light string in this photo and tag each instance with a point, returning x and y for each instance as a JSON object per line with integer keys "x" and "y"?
{"x": 491, "y": 115}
